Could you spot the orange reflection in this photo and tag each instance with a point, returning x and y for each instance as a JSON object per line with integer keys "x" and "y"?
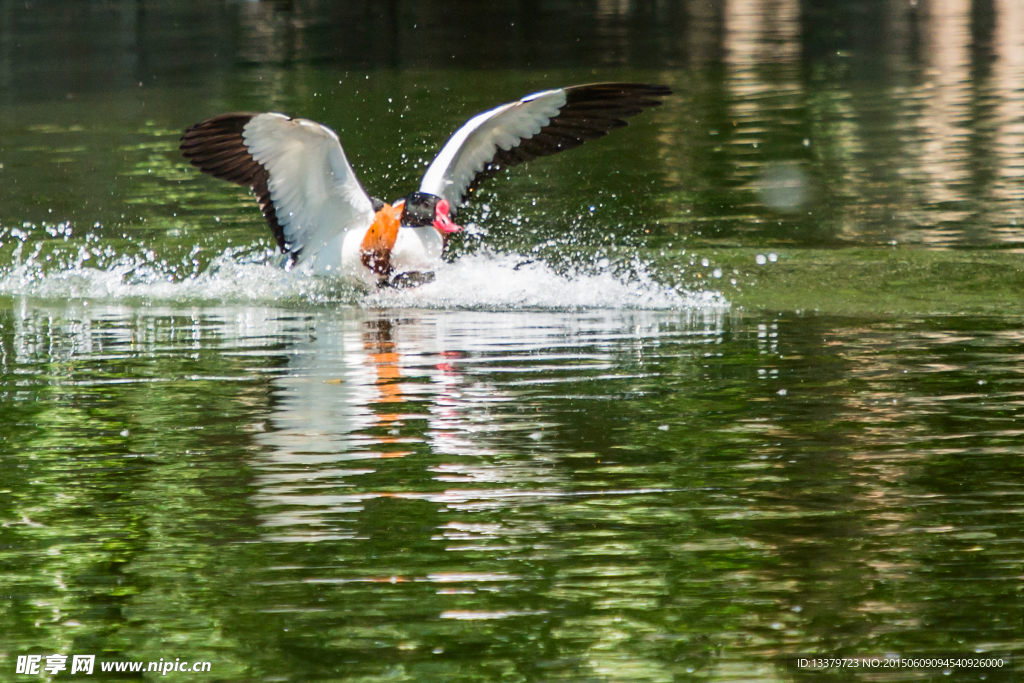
{"x": 383, "y": 357}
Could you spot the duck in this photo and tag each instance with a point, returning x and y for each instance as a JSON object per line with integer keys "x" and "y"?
{"x": 324, "y": 220}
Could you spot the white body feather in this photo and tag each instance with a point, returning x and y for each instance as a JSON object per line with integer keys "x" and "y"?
{"x": 416, "y": 250}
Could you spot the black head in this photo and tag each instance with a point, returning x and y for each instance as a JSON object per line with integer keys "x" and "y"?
{"x": 420, "y": 209}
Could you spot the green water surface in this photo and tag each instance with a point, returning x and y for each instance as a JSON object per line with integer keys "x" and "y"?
{"x": 571, "y": 460}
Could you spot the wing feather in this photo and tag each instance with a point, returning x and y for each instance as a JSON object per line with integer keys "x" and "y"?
{"x": 540, "y": 124}
{"x": 296, "y": 168}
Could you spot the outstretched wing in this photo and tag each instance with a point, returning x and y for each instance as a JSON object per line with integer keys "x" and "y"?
{"x": 538, "y": 125}
{"x": 295, "y": 167}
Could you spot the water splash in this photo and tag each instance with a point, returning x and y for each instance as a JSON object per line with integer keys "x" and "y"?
{"x": 86, "y": 268}
{"x": 486, "y": 280}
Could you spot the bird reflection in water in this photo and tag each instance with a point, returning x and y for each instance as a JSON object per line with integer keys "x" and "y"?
{"x": 381, "y": 417}
{"x": 383, "y": 357}
{"x": 360, "y": 390}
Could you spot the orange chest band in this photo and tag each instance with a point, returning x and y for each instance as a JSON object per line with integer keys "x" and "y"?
{"x": 380, "y": 239}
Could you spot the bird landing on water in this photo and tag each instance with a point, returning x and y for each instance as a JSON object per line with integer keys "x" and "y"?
{"x": 322, "y": 217}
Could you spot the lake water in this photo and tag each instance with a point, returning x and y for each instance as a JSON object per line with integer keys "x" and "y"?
{"x": 740, "y": 383}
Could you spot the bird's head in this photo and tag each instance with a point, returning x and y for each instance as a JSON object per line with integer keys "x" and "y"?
{"x": 422, "y": 209}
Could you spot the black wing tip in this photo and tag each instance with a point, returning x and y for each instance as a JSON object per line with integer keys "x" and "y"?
{"x": 591, "y": 111}
{"x": 618, "y": 91}
{"x": 215, "y": 137}
{"x": 216, "y": 147}
{"x": 231, "y": 123}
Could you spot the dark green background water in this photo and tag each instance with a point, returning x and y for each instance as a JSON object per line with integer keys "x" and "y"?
{"x": 738, "y": 383}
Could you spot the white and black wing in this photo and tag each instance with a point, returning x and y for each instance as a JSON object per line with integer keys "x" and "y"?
{"x": 540, "y": 124}
{"x": 295, "y": 167}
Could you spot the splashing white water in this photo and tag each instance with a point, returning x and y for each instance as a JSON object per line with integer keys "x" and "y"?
{"x": 507, "y": 281}
{"x": 479, "y": 281}
{"x": 226, "y": 279}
